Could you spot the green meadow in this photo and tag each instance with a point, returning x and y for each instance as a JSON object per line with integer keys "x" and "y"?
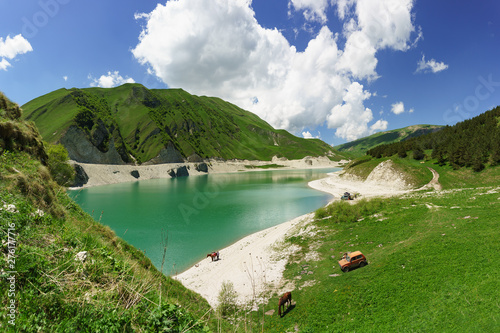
{"x": 432, "y": 263}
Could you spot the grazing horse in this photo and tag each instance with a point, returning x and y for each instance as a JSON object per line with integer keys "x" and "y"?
{"x": 285, "y": 299}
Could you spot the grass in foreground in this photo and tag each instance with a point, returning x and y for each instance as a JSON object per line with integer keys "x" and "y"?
{"x": 116, "y": 288}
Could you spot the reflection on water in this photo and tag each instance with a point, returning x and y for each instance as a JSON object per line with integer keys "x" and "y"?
{"x": 203, "y": 213}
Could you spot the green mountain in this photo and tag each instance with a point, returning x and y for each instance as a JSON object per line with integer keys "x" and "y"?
{"x": 361, "y": 146}
{"x": 130, "y": 122}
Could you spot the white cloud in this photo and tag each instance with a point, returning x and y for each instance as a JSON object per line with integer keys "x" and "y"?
{"x": 308, "y": 135}
{"x": 343, "y": 7}
{"x": 380, "y": 125}
{"x": 387, "y": 23}
{"x": 398, "y": 108}
{"x": 65, "y": 78}
{"x": 11, "y": 47}
{"x": 430, "y": 66}
{"x": 351, "y": 118}
{"x": 314, "y": 10}
{"x": 218, "y": 48}
{"x": 4, "y": 64}
{"x": 112, "y": 79}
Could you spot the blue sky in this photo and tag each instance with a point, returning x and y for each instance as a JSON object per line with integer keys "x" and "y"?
{"x": 334, "y": 69}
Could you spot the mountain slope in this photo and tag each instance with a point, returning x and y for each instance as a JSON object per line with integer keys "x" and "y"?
{"x": 61, "y": 271}
{"x": 361, "y": 146}
{"x": 118, "y": 125}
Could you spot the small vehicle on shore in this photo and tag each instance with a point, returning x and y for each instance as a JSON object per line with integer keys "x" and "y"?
{"x": 347, "y": 196}
{"x": 352, "y": 260}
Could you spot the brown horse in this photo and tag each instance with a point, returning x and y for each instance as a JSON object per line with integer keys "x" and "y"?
{"x": 213, "y": 255}
{"x": 285, "y": 299}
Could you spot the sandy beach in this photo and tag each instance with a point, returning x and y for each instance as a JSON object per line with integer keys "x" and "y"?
{"x": 255, "y": 264}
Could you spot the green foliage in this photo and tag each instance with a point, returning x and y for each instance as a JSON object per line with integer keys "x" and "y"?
{"x": 357, "y": 162}
{"x": 227, "y": 299}
{"x": 85, "y": 119}
{"x": 402, "y": 153}
{"x": 418, "y": 154}
{"x": 62, "y": 172}
{"x": 471, "y": 143}
{"x": 172, "y": 318}
{"x": 17, "y": 135}
{"x": 344, "y": 212}
{"x": 9, "y": 109}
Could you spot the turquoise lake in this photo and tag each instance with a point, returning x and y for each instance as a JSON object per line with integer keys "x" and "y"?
{"x": 200, "y": 214}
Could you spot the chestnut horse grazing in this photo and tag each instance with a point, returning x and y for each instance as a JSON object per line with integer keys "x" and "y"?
{"x": 285, "y": 299}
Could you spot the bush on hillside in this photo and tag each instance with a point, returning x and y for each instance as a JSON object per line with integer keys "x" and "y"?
{"x": 62, "y": 172}
{"x": 227, "y": 299}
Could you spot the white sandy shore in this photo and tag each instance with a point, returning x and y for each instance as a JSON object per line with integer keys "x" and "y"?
{"x": 255, "y": 264}
{"x": 103, "y": 174}
{"x": 251, "y": 264}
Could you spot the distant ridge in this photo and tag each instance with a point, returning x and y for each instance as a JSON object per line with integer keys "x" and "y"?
{"x": 131, "y": 123}
{"x": 472, "y": 143}
{"x": 361, "y": 146}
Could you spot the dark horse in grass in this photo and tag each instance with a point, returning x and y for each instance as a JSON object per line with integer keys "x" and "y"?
{"x": 285, "y": 299}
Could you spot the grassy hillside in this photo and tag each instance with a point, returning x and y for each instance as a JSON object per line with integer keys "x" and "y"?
{"x": 141, "y": 123}
{"x": 44, "y": 286}
{"x": 472, "y": 143}
{"x": 431, "y": 262}
{"x": 361, "y": 146}
{"x": 413, "y": 171}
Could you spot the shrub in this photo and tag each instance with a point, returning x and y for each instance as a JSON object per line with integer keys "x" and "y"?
{"x": 227, "y": 299}
{"x": 62, "y": 172}
{"x": 418, "y": 154}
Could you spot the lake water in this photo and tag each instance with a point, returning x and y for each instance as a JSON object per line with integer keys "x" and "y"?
{"x": 200, "y": 214}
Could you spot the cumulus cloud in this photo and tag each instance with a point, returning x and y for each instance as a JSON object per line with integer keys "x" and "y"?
{"x": 387, "y": 23}
{"x": 218, "y": 48}
{"x": 351, "y": 118}
{"x": 314, "y": 10}
{"x": 4, "y": 64}
{"x": 112, "y": 79}
{"x": 380, "y": 125}
{"x": 308, "y": 135}
{"x": 11, "y": 47}
{"x": 398, "y": 108}
{"x": 430, "y": 66}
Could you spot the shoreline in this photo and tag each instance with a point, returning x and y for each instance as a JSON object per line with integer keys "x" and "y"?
{"x": 107, "y": 174}
{"x": 255, "y": 263}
